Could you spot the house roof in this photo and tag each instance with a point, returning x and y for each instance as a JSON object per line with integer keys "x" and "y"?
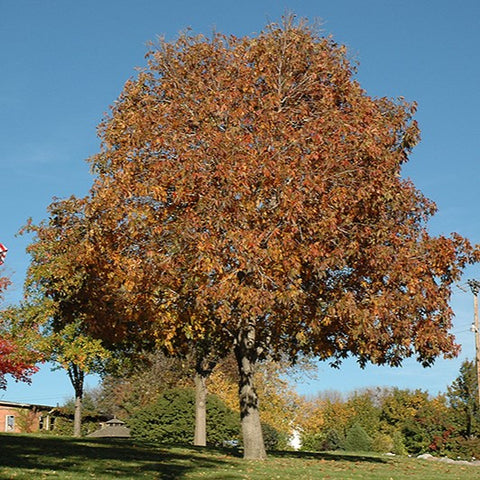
{"x": 4, "y": 403}
{"x": 114, "y": 428}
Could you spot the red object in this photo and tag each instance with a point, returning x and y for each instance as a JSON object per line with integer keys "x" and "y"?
{"x": 3, "y": 252}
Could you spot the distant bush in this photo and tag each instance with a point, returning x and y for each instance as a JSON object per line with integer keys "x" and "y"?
{"x": 273, "y": 439}
{"x": 398, "y": 444}
{"x": 357, "y": 439}
{"x": 319, "y": 442}
{"x": 171, "y": 419}
{"x": 333, "y": 441}
{"x": 382, "y": 443}
{"x": 465, "y": 448}
{"x": 312, "y": 442}
{"x": 63, "y": 427}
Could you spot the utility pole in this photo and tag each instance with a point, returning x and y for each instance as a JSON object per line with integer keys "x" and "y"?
{"x": 475, "y": 287}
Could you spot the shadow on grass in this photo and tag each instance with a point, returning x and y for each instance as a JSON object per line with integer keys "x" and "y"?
{"x": 344, "y": 456}
{"x": 99, "y": 457}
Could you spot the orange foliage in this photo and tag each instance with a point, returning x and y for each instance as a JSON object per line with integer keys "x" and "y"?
{"x": 251, "y": 184}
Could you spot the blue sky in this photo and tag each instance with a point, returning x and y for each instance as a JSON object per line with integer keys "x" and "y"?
{"x": 64, "y": 62}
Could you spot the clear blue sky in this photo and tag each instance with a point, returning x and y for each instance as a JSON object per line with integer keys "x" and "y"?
{"x": 63, "y": 62}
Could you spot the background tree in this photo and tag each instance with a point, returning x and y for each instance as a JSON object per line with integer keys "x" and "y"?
{"x": 59, "y": 283}
{"x": 78, "y": 354}
{"x": 330, "y": 416}
{"x": 400, "y": 406}
{"x": 18, "y": 354}
{"x": 462, "y": 395}
{"x": 252, "y": 190}
{"x": 397, "y": 421}
{"x": 431, "y": 428}
{"x": 134, "y": 383}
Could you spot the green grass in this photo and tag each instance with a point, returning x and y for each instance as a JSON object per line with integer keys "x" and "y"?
{"x": 30, "y": 457}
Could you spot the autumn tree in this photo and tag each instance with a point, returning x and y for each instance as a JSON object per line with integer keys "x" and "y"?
{"x": 18, "y": 355}
{"x": 79, "y": 355}
{"x": 253, "y": 192}
{"x": 15, "y": 360}
{"x": 59, "y": 285}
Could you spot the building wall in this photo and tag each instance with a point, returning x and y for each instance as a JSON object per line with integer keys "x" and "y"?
{"x": 19, "y": 419}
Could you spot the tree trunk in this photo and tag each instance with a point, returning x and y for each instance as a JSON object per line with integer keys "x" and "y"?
{"x": 246, "y": 355}
{"x": 77, "y": 418}
{"x": 200, "y": 438}
{"x": 77, "y": 376}
{"x": 205, "y": 361}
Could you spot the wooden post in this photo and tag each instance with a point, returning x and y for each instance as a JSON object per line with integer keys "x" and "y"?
{"x": 475, "y": 287}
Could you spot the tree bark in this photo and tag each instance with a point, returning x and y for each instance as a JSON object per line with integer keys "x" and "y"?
{"x": 77, "y": 376}
{"x": 246, "y": 355}
{"x": 200, "y": 438}
{"x": 77, "y": 418}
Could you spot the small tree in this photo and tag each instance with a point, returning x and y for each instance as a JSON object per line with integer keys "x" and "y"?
{"x": 78, "y": 354}
{"x": 15, "y": 361}
{"x": 357, "y": 439}
{"x": 18, "y": 354}
{"x": 58, "y": 285}
{"x": 463, "y": 398}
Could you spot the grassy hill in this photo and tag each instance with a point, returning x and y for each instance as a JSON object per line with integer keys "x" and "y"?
{"x": 27, "y": 457}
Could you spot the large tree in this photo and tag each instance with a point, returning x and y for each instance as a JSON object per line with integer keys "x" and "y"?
{"x": 250, "y": 191}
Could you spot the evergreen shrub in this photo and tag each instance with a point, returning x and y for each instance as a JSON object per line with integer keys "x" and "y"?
{"x": 273, "y": 439}
{"x": 171, "y": 419}
{"x": 357, "y": 439}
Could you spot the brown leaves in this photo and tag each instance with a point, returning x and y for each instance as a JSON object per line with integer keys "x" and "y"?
{"x": 255, "y": 179}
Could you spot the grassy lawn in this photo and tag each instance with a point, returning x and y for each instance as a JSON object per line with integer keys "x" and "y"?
{"x": 27, "y": 457}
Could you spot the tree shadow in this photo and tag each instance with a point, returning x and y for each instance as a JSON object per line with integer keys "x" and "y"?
{"x": 122, "y": 459}
{"x": 343, "y": 456}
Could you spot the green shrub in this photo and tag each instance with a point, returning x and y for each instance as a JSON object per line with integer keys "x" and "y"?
{"x": 357, "y": 439}
{"x": 382, "y": 443}
{"x": 319, "y": 442}
{"x": 398, "y": 443}
{"x": 64, "y": 427}
{"x": 333, "y": 441}
{"x": 171, "y": 419}
{"x": 312, "y": 442}
{"x": 467, "y": 447}
{"x": 273, "y": 439}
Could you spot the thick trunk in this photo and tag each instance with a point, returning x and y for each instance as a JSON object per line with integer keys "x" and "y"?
{"x": 245, "y": 352}
{"x": 200, "y": 438}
